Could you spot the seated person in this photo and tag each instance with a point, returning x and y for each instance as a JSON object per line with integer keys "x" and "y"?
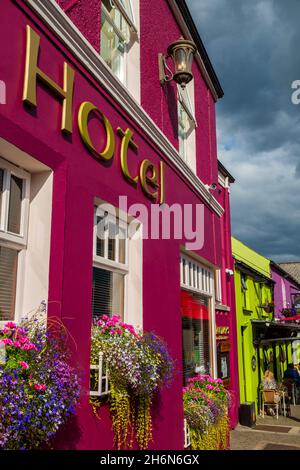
{"x": 269, "y": 382}
{"x": 292, "y": 374}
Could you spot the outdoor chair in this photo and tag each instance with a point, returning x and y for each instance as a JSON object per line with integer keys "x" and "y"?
{"x": 271, "y": 399}
{"x": 291, "y": 388}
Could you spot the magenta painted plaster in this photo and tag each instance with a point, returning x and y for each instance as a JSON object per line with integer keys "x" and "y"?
{"x": 282, "y": 283}
{"x": 160, "y": 102}
{"x": 86, "y": 15}
{"x": 228, "y": 299}
{"x": 77, "y": 179}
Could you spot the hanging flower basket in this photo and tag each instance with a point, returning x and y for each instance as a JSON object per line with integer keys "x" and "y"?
{"x": 206, "y": 403}
{"x": 268, "y": 307}
{"x": 138, "y": 365}
{"x": 39, "y": 390}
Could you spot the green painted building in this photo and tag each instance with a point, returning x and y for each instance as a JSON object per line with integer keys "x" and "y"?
{"x": 257, "y": 332}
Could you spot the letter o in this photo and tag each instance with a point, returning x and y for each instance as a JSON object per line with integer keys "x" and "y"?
{"x": 83, "y": 115}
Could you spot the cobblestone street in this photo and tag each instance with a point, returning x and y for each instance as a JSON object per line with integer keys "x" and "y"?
{"x": 269, "y": 434}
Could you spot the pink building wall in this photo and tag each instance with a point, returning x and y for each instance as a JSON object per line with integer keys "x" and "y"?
{"x": 78, "y": 178}
{"x": 224, "y": 318}
{"x": 283, "y": 282}
{"x": 159, "y": 102}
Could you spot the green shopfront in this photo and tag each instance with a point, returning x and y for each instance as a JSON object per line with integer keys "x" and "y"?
{"x": 263, "y": 343}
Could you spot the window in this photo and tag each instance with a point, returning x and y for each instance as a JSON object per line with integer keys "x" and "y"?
{"x": 223, "y": 365}
{"x": 283, "y": 290}
{"x": 110, "y": 266}
{"x": 195, "y": 334}
{"x": 195, "y": 277}
{"x": 14, "y": 206}
{"x": 244, "y": 288}
{"x": 218, "y": 286}
{"x": 117, "y": 28}
{"x": 186, "y": 124}
{"x": 197, "y": 287}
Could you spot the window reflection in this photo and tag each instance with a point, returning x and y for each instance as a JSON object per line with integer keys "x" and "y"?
{"x": 195, "y": 334}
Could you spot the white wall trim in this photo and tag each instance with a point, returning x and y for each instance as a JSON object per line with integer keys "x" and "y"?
{"x": 223, "y": 181}
{"x": 58, "y": 22}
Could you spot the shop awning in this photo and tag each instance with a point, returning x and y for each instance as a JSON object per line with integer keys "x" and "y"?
{"x": 191, "y": 308}
{"x": 293, "y": 318}
{"x": 271, "y": 331}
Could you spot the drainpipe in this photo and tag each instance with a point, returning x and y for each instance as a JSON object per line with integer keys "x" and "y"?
{"x": 259, "y": 375}
{"x": 244, "y": 365}
{"x": 275, "y": 361}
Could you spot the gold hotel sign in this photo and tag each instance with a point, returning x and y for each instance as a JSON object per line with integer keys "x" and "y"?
{"x": 150, "y": 176}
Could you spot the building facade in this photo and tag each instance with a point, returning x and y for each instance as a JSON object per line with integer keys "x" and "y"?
{"x": 264, "y": 339}
{"x": 226, "y": 332}
{"x": 286, "y": 293}
{"x": 286, "y": 302}
{"x": 253, "y": 289}
{"x": 86, "y": 123}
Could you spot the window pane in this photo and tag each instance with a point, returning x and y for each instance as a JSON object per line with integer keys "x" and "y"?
{"x": 15, "y": 204}
{"x": 182, "y": 130}
{"x": 108, "y": 293}
{"x": 112, "y": 234}
{"x": 112, "y": 249}
{"x": 195, "y": 334}
{"x": 127, "y": 7}
{"x": 8, "y": 277}
{"x": 100, "y": 236}
{"x": 100, "y": 247}
{"x": 1, "y": 188}
{"x": 114, "y": 33}
{"x": 122, "y": 247}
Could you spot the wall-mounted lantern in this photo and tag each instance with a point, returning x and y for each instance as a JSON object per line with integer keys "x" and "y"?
{"x": 182, "y": 53}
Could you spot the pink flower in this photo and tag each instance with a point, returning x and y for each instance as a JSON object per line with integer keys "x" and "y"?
{"x": 24, "y": 365}
{"x": 41, "y": 387}
{"x": 113, "y": 332}
{"x": 217, "y": 389}
{"x": 10, "y": 324}
{"x": 28, "y": 346}
{"x": 120, "y": 331}
{"x": 104, "y": 317}
{"x": 7, "y": 341}
{"x": 17, "y": 344}
{"x": 23, "y": 340}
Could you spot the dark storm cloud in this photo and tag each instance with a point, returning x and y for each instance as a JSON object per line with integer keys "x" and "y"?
{"x": 254, "y": 48}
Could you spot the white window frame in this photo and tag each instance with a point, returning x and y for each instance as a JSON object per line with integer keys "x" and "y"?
{"x": 218, "y": 286}
{"x": 128, "y": 15}
{"x": 17, "y": 242}
{"x": 187, "y": 144}
{"x": 108, "y": 264}
{"x": 129, "y": 19}
{"x": 185, "y": 101}
{"x": 198, "y": 278}
{"x": 12, "y": 239}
